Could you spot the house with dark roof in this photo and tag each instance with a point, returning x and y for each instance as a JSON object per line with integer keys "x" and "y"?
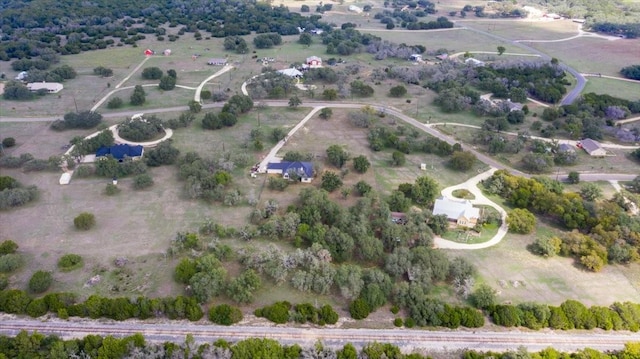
{"x": 120, "y": 152}
{"x": 566, "y": 148}
{"x": 592, "y": 147}
{"x": 292, "y": 170}
{"x": 462, "y": 212}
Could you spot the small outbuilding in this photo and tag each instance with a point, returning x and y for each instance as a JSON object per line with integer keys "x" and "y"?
{"x": 474, "y": 62}
{"x": 314, "y": 61}
{"x": 593, "y": 148}
{"x": 50, "y": 87}
{"x": 217, "y": 62}
{"x": 166, "y": 52}
{"x": 148, "y": 52}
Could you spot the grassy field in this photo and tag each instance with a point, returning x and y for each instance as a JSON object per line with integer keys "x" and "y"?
{"x": 525, "y": 29}
{"x": 616, "y": 88}
{"x": 593, "y": 55}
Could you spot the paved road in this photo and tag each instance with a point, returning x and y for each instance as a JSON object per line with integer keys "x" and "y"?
{"x": 405, "y": 338}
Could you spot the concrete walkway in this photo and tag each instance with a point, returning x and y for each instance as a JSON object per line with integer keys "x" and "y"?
{"x": 471, "y": 185}
{"x": 271, "y": 157}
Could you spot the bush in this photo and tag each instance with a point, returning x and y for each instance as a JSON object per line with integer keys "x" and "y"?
{"x": 8, "y": 142}
{"x": 10, "y": 262}
{"x": 40, "y": 281}
{"x": 111, "y": 189}
{"x": 398, "y": 91}
{"x": 277, "y": 312}
{"x": 409, "y": 323}
{"x": 7, "y": 182}
{"x": 142, "y": 181}
{"x": 397, "y": 322}
{"x": 115, "y": 102}
{"x": 225, "y": 314}
{"x": 4, "y": 281}
{"x": 17, "y": 197}
{"x": 69, "y": 262}
{"x": 151, "y": 73}
{"x": 84, "y": 221}
{"x": 8, "y": 247}
{"x": 359, "y": 309}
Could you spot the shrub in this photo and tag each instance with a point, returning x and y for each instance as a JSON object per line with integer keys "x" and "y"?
{"x": 4, "y": 281}
{"x": 17, "y": 197}
{"x": 397, "y": 322}
{"x": 225, "y": 314}
{"x": 37, "y": 308}
{"x": 115, "y": 102}
{"x": 40, "y": 281}
{"x": 8, "y": 142}
{"x": 8, "y": 247}
{"x": 395, "y": 309}
{"x": 277, "y": 312}
{"x": 398, "y": 91}
{"x": 7, "y": 182}
{"x": 83, "y": 171}
{"x": 409, "y": 323}
{"x": 359, "y": 309}
{"x": 142, "y": 181}
{"x": 84, "y": 221}
{"x": 69, "y": 262}
{"x": 111, "y": 189}
{"x": 10, "y": 262}
{"x": 151, "y": 73}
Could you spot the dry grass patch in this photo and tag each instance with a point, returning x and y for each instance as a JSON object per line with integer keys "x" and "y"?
{"x": 525, "y": 29}
{"x": 593, "y": 55}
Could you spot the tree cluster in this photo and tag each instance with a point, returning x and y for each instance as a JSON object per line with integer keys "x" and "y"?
{"x": 72, "y": 120}
{"x": 13, "y": 194}
{"x": 120, "y": 308}
{"x": 571, "y": 314}
{"x": 208, "y": 179}
{"x": 34, "y": 30}
{"x": 607, "y": 232}
{"x": 140, "y": 130}
{"x": 283, "y": 312}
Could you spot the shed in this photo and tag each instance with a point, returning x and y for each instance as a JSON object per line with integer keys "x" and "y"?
{"x": 148, "y": 52}
{"x": 65, "y": 178}
{"x": 592, "y": 147}
{"x": 314, "y": 61}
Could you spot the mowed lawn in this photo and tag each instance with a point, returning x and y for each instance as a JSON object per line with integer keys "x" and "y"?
{"x": 617, "y": 88}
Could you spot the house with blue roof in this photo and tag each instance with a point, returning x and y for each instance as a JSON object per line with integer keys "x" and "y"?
{"x": 121, "y": 151}
{"x": 292, "y": 170}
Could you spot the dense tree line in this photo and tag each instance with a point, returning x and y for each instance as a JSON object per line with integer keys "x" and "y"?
{"x": 64, "y": 305}
{"x": 347, "y": 41}
{"x": 35, "y": 29}
{"x": 571, "y": 314}
{"x": 36, "y": 345}
{"x": 607, "y": 232}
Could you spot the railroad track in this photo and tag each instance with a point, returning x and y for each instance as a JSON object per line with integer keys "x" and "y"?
{"x": 404, "y": 338}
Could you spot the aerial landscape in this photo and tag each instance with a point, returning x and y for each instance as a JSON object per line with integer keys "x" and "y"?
{"x": 453, "y": 179}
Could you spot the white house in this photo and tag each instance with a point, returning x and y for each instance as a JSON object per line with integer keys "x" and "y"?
{"x": 474, "y": 62}
{"x": 295, "y": 73}
{"x": 50, "y": 87}
{"x": 460, "y": 211}
{"x": 290, "y": 170}
{"x": 593, "y": 148}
